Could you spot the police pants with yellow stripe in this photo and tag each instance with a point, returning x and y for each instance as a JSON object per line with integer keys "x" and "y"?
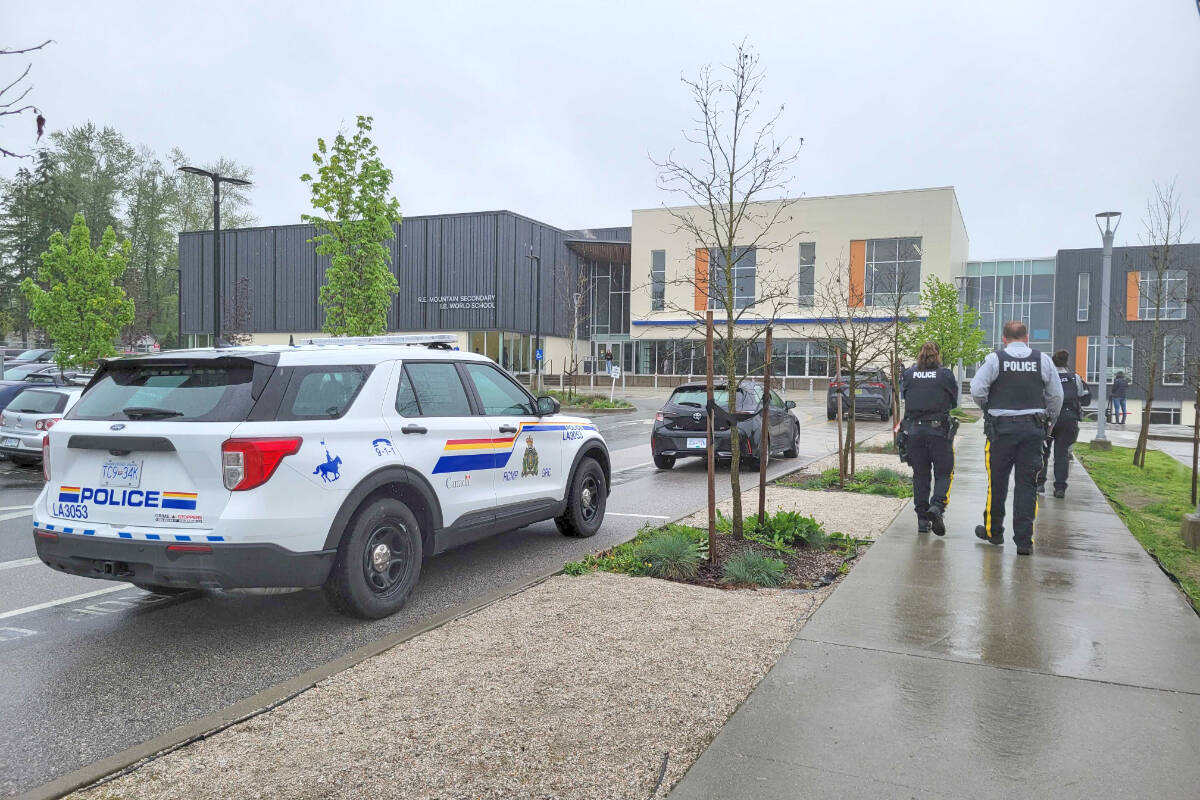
{"x": 1014, "y": 449}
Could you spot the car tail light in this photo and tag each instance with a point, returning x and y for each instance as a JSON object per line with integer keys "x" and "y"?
{"x": 246, "y": 463}
{"x": 3, "y": 421}
{"x": 189, "y": 548}
{"x": 875, "y": 385}
{"x": 658, "y": 417}
{"x": 46, "y": 457}
{"x": 45, "y": 424}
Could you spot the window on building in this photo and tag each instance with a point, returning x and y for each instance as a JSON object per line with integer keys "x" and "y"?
{"x": 609, "y": 287}
{"x": 1165, "y": 296}
{"x": 893, "y": 266}
{"x": 806, "y": 280}
{"x": 1083, "y": 297}
{"x": 658, "y": 279}
{"x": 742, "y": 272}
{"x": 1165, "y": 415}
{"x": 1174, "y": 355}
{"x": 1120, "y": 358}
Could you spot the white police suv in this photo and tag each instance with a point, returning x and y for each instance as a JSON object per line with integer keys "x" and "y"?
{"x": 341, "y": 463}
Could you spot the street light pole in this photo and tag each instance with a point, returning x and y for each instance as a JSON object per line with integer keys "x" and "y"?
{"x": 1111, "y": 220}
{"x": 217, "y": 180}
{"x": 537, "y": 329}
{"x": 961, "y": 281}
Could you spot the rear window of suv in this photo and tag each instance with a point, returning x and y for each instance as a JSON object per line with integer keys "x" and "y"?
{"x": 203, "y": 391}
{"x": 38, "y": 401}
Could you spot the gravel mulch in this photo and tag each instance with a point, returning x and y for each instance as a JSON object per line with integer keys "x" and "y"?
{"x": 575, "y": 688}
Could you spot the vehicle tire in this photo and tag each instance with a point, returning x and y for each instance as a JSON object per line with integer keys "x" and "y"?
{"x": 23, "y": 461}
{"x": 830, "y": 415}
{"x": 884, "y": 414}
{"x": 664, "y": 462}
{"x": 794, "y": 450}
{"x": 586, "y": 499}
{"x": 378, "y": 561}
{"x": 165, "y": 591}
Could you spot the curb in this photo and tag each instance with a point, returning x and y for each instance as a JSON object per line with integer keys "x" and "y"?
{"x": 126, "y": 761}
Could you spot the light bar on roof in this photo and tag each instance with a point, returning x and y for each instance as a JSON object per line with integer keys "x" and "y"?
{"x": 395, "y": 338}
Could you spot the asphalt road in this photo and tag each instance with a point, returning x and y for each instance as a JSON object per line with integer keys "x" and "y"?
{"x": 93, "y": 667}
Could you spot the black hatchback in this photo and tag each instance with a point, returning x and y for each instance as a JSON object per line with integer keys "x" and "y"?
{"x": 872, "y": 395}
{"x": 680, "y": 428}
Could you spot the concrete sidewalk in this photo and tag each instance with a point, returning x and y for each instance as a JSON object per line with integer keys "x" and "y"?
{"x": 952, "y": 668}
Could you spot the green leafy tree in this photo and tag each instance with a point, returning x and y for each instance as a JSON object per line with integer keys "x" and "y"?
{"x": 351, "y": 190}
{"x": 956, "y": 332}
{"x": 82, "y": 305}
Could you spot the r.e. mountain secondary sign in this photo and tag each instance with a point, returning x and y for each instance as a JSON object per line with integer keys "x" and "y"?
{"x": 461, "y": 301}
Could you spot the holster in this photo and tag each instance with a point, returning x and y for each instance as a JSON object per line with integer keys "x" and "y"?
{"x": 902, "y": 437}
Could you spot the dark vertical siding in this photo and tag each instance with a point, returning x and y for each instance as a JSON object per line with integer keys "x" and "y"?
{"x": 453, "y": 255}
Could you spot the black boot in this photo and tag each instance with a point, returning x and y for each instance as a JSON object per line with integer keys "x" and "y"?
{"x": 922, "y": 525}
{"x": 935, "y": 520}
{"x": 982, "y": 533}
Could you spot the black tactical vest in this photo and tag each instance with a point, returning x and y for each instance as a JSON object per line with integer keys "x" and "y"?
{"x": 926, "y": 393}
{"x": 1070, "y": 390}
{"x": 1019, "y": 384}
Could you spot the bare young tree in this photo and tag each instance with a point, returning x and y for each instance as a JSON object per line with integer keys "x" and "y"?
{"x": 1163, "y": 292}
{"x": 850, "y": 327}
{"x": 12, "y": 97}
{"x": 734, "y": 180}
{"x": 573, "y": 295}
{"x": 895, "y": 295}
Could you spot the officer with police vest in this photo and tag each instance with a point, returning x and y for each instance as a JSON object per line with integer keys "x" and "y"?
{"x": 1021, "y": 396}
{"x": 1075, "y": 396}
{"x": 930, "y": 391}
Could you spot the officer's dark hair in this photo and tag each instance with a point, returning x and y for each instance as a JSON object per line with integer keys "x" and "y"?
{"x": 930, "y": 356}
{"x": 1061, "y": 358}
{"x": 1015, "y": 329}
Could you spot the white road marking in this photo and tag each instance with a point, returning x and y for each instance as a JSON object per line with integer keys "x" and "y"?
{"x": 15, "y": 508}
{"x": 20, "y": 562}
{"x": 635, "y": 466}
{"x": 30, "y": 609}
{"x": 618, "y": 514}
{"x": 15, "y": 515}
{"x": 8, "y": 634}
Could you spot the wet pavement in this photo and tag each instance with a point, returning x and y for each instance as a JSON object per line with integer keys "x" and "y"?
{"x": 952, "y": 668}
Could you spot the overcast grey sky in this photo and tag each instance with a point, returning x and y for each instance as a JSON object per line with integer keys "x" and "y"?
{"x": 1039, "y": 112}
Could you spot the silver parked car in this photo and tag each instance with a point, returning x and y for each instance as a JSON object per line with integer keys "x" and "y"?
{"x": 28, "y": 416}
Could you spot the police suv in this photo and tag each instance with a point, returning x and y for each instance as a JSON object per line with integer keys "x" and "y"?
{"x": 341, "y": 463}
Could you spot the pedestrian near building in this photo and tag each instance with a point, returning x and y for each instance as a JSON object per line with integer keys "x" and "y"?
{"x": 1120, "y": 386}
{"x": 1066, "y": 430}
{"x": 929, "y": 391}
{"x": 1021, "y": 396}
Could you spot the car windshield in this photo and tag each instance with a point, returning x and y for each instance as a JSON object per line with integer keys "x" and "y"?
{"x": 28, "y": 355}
{"x": 19, "y": 372}
{"x": 201, "y": 391}
{"x": 38, "y": 401}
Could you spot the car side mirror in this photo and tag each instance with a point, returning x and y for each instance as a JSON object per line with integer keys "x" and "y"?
{"x": 547, "y": 405}
{"x": 789, "y": 404}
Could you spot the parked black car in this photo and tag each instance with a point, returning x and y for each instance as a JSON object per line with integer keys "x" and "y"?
{"x": 873, "y": 394}
{"x": 680, "y": 428}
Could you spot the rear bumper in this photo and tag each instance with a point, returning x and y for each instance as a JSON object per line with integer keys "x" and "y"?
{"x": 673, "y": 444}
{"x": 228, "y": 566}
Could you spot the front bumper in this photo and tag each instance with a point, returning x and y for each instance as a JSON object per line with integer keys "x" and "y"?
{"x": 228, "y": 566}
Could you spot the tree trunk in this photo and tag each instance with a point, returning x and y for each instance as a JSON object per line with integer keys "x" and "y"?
{"x": 1139, "y": 452}
{"x": 735, "y": 445}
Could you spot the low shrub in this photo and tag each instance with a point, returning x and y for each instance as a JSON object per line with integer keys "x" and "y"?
{"x": 784, "y": 531}
{"x": 751, "y": 568}
{"x": 670, "y": 554}
{"x": 625, "y": 559}
{"x": 577, "y": 400}
{"x": 881, "y": 481}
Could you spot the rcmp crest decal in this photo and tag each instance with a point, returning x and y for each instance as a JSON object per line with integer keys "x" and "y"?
{"x": 529, "y": 462}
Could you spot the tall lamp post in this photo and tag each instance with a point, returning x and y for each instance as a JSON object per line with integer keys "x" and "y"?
{"x": 537, "y": 329}
{"x": 1111, "y": 220}
{"x": 961, "y": 281}
{"x": 217, "y": 180}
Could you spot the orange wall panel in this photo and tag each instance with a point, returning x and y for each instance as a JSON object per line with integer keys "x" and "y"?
{"x": 1132, "y": 294}
{"x": 858, "y": 272}
{"x": 1081, "y": 356}
{"x": 701, "y": 299}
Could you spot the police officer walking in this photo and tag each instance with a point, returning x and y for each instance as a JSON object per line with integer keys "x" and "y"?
{"x": 1075, "y": 396}
{"x": 1020, "y": 393}
{"x": 930, "y": 391}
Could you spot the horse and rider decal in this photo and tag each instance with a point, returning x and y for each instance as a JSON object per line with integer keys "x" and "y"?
{"x": 330, "y": 471}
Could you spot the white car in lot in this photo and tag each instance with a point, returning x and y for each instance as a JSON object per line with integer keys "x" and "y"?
{"x": 27, "y": 418}
{"x": 339, "y": 465}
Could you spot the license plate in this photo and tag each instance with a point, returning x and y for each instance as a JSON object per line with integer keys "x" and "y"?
{"x": 697, "y": 444}
{"x": 121, "y": 473}
{"x": 10, "y": 443}
{"x": 860, "y": 392}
